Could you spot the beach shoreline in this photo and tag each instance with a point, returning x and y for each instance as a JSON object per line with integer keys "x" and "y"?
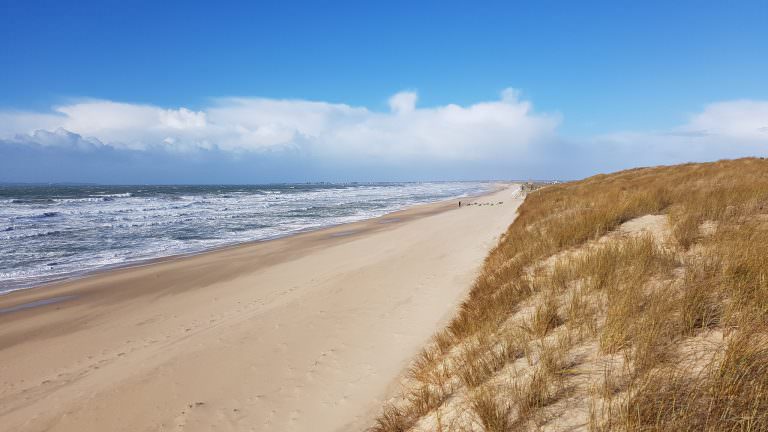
{"x": 285, "y": 329}
{"x": 407, "y": 210}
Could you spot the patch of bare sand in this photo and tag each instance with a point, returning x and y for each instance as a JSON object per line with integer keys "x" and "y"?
{"x": 656, "y": 225}
{"x": 587, "y": 375}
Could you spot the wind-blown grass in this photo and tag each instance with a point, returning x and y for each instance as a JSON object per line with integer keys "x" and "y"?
{"x": 665, "y": 329}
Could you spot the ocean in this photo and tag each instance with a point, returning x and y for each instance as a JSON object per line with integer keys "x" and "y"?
{"x": 54, "y": 232}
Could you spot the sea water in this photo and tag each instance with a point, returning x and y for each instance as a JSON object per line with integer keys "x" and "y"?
{"x": 54, "y": 232}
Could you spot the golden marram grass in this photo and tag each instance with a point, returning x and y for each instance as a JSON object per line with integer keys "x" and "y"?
{"x": 633, "y": 301}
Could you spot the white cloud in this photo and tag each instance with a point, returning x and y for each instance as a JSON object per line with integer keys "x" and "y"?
{"x": 59, "y": 138}
{"x": 502, "y": 133}
{"x": 721, "y": 130}
{"x": 741, "y": 119}
{"x": 403, "y": 102}
{"x": 491, "y": 129}
{"x": 20, "y": 122}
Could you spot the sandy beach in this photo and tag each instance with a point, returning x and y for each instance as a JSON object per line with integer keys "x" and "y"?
{"x": 304, "y": 333}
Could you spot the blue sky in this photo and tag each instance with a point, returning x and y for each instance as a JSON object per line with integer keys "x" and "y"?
{"x": 593, "y": 78}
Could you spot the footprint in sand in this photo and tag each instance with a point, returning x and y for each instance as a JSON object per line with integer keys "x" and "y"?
{"x": 181, "y": 420}
{"x": 294, "y": 416}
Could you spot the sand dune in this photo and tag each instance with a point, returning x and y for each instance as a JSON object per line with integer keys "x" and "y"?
{"x": 307, "y": 333}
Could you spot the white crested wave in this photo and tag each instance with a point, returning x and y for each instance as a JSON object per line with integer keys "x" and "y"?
{"x": 50, "y": 233}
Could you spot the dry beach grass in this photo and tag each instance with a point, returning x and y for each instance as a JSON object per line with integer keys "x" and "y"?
{"x": 633, "y": 301}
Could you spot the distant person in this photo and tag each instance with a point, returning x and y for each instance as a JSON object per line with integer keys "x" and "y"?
{"x": 459, "y": 203}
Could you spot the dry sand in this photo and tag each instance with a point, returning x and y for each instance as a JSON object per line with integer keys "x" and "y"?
{"x": 306, "y": 333}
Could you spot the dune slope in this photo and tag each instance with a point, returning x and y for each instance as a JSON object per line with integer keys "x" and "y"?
{"x": 632, "y": 301}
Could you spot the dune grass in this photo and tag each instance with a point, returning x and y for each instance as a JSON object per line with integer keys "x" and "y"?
{"x": 574, "y": 324}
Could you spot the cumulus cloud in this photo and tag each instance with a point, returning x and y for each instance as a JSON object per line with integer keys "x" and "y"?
{"x": 269, "y": 139}
{"x": 482, "y": 130}
{"x": 59, "y": 138}
{"x": 726, "y": 129}
{"x": 403, "y": 102}
{"x": 744, "y": 120}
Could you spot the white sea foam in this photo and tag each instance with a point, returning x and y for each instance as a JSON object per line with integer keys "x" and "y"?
{"x": 50, "y": 233}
